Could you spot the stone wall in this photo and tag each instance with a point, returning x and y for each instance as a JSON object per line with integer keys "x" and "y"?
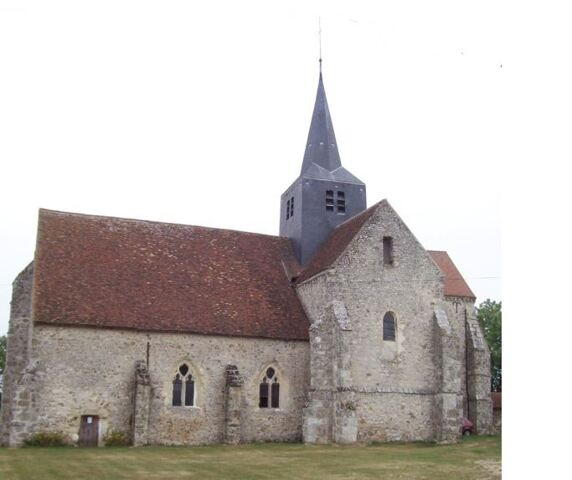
{"x": 86, "y": 371}
{"x": 398, "y": 385}
{"x": 20, "y": 377}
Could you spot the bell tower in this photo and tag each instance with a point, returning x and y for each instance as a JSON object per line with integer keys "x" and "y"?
{"x": 325, "y": 194}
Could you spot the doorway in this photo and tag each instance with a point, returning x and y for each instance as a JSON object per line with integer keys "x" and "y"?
{"x": 88, "y": 431}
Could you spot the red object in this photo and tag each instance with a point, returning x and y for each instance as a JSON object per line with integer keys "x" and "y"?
{"x": 467, "y": 427}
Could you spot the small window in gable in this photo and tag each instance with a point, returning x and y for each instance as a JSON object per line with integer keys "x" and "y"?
{"x": 269, "y": 390}
{"x": 183, "y": 388}
{"x": 389, "y": 327}
{"x": 292, "y": 207}
{"x": 388, "y": 251}
{"x": 287, "y": 209}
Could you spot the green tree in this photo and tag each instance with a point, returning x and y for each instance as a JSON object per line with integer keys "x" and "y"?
{"x": 2, "y": 352}
{"x": 489, "y": 314}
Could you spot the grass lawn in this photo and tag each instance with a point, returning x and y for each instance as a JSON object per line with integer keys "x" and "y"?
{"x": 472, "y": 458}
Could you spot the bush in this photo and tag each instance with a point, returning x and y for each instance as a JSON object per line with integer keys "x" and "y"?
{"x": 47, "y": 439}
{"x": 116, "y": 439}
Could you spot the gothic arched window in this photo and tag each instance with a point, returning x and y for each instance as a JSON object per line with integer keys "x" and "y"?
{"x": 269, "y": 393}
{"x": 183, "y": 387}
{"x": 389, "y": 326}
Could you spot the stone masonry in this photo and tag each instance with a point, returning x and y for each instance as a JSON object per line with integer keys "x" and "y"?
{"x": 75, "y": 376}
{"x": 141, "y": 404}
{"x": 233, "y": 405}
{"x": 479, "y": 377}
{"x": 364, "y": 388}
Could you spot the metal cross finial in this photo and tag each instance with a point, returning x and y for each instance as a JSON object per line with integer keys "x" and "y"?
{"x": 320, "y": 40}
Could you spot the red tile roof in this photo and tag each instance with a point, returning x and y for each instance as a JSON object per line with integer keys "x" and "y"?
{"x": 118, "y": 273}
{"x": 455, "y": 285}
{"x": 336, "y": 243}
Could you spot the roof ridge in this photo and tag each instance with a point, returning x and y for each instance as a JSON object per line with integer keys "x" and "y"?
{"x": 156, "y": 222}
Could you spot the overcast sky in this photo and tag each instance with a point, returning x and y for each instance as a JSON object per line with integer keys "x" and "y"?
{"x": 197, "y": 113}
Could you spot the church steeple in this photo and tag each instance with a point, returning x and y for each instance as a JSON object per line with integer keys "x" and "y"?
{"x": 325, "y": 194}
{"x": 321, "y": 147}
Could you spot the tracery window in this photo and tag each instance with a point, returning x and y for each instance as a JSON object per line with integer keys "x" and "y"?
{"x": 389, "y": 326}
{"x": 183, "y": 387}
{"x": 269, "y": 392}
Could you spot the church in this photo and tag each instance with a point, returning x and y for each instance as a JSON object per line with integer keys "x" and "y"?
{"x": 341, "y": 329}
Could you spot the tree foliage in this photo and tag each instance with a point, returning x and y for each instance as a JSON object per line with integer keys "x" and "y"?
{"x": 489, "y": 314}
{"x": 2, "y": 352}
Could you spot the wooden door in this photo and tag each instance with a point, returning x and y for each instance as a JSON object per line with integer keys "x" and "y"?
{"x": 88, "y": 431}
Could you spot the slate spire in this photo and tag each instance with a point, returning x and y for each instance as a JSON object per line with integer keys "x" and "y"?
{"x": 325, "y": 194}
{"x": 321, "y": 146}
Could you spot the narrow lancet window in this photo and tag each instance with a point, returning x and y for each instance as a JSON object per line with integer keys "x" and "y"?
{"x": 177, "y": 391}
{"x": 389, "y": 327}
{"x": 292, "y": 207}
{"x": 263, "y": 402}
{"x": 287, "y": 209}
{"x": 388, "y": 251}
{"x": 275, "y": 394}
{"x": 189, "y": 391}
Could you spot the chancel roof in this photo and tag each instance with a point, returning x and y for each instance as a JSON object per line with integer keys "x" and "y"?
{"x": 132, "y": 274}
{"x": 455, "y": 284}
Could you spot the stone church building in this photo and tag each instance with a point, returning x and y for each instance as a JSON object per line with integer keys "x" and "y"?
{"x": 341, "y": 329}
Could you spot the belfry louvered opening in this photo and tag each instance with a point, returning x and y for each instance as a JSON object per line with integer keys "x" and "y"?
{"x": 335, "y": 201}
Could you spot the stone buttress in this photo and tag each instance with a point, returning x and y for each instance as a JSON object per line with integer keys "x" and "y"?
{"x": 232, "y": 405}
{"x": 18, "y": 400}
{"x": 448, "y": 397}
{"x": 141, "y": 404}
{"x": 331, "y": 412}
{"x": 480, "y": 407}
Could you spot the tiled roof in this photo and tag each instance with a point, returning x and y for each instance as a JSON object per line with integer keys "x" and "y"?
{"x": 455, "y": 285}
{"x": 336, "y": 243}
{"x": 117, "y": 273}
